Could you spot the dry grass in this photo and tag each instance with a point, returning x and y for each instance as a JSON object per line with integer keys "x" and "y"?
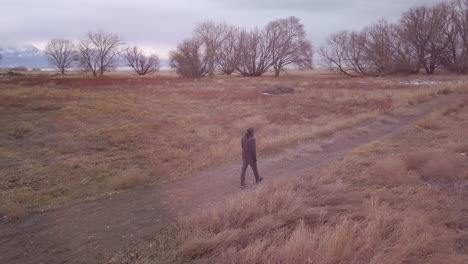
{"x": 443, "y": 168}
{"x": 430, "y": 122}
{"x": 393, "y": 171}
{"x": 12, "y": 211}
{"x": 428, "y": 166}
{"x": 127, "y": 179}
{"x": 402, "y": 200}
{"x": 69, "y": 139}
{"x": 379, "y": 238}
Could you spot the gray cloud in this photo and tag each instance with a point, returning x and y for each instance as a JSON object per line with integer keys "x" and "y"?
{"x": 161, "y": 24}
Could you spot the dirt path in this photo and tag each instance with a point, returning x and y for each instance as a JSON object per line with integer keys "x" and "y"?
{"x": 95, "y": 231}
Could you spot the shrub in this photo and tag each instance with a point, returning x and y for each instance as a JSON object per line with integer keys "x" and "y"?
{"x": 127, "y": 179}
{"x": 188, "y": 60}
{"x": 392, "y": 171}
{"x": 442, "y": 168}
{"x": 19, "y": 68}
{"x": 436, "y": 166}
{"x": 11, "y": 211}
{"x": 431, "y": 122}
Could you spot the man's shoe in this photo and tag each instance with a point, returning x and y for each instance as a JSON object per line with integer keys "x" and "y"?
{"x": 259, "y": 179}
{"x": 243, "y": 185}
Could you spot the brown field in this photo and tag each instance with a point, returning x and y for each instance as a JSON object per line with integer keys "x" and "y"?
{"x": 70, "y": 139}
{"x": 401, "y": 200}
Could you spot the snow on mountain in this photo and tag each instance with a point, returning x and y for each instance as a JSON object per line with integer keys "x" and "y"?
{"x": 23, "y": 55}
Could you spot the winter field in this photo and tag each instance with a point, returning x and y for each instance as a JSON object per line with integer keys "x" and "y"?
{"x": 71, "y": 139}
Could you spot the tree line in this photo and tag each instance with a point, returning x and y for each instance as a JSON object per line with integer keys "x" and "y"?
{"x": 213, "y": 48}
{"x": 97, "y": 53}
{"x": 426, "y": 37}
{"x": 219, "y": 47}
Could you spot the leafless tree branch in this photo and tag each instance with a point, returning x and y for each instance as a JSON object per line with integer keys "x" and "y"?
{"x": 60, "y": 53}
{"x": 98, "y": 52}
{"x": 140, "y": 63}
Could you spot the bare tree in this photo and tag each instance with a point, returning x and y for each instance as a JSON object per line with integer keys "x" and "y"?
{"x": 454, "y": 55}
{"x": 343, "y": 53}
{"x": 218, "y": 46}
{"x": 421, "y": 27}
{"x": 98, "y": 52}
{"x": 426, "y": 37}
{"x": 378, "y": 50}
{"x": 254, "y": 51}
{"x": 362, "y": 53}
{"x": 289, "y": 45}
{"x": 140, "y": 63}
{"x": 60, "y": 53}
{"x": 228, "y": 54}
{"x": 333, "y": 52}
{"x": 188, "y": 59}
{"x": 212, "y": 35}
{"x": 405, "y": 56}
{"x": 357, "y": 53}
{"x": 382, "y": 50}
{"x": 305, "y": 61}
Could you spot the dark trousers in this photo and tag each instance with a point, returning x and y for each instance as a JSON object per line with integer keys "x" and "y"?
{"x": 253, "y": 165}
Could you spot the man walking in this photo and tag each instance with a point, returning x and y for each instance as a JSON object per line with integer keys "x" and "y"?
{"x": 249, "y": 156}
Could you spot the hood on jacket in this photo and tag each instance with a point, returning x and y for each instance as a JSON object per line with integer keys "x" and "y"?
{"x": 249, "y": 132}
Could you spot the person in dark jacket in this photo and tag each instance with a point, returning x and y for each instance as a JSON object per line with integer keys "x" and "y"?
{"x": 249, "y": 156}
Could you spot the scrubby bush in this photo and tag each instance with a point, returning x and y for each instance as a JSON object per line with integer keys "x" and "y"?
{"x": 19, "y": 68}
{"x": 188, "y": 59}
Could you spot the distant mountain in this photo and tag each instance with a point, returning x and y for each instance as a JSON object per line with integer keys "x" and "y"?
{"x": 27, "y": 56}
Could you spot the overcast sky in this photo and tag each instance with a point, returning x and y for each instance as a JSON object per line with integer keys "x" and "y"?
{"x": 159, "y": 25}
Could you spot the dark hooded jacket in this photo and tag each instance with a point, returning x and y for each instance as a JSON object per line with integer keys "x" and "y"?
{"x": 249, "y": 151}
